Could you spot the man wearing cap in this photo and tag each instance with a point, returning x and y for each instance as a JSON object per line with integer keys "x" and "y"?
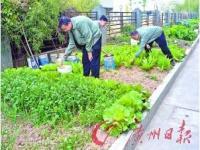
{"x": 147, "y": 35}
{"x": 84, "y": 34}
{"x": 102, "y": 22}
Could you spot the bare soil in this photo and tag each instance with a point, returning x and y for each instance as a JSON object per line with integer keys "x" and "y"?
{"x": 149, "y": 80}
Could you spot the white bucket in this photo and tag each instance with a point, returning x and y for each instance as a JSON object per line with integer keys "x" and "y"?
{"x": 65, "y": 69}
{"x": 61, "y": 55}
{"x": 53, "y": 57}
{"x": 59, "y": 61}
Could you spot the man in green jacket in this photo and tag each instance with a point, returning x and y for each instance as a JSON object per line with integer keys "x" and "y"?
{"x": 147, "y": 35}
{"x": 84, "y": 34}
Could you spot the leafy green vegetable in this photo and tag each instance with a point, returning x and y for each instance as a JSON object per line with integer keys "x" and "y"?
{"x": 124, "y": 55}
{"x": 50, "y": 97}
{"x": 125, "y": 113}
{"x": 148, "y": 63}
{"x": 163, "y": 63}
{"x": 180, "y": 32}
{"x": 49, "y": 67}
{"x": 178, "y": 53}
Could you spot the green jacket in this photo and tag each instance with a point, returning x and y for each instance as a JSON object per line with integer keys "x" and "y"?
{"x": 148, "y": 35}
{"x": 85, "y": 31}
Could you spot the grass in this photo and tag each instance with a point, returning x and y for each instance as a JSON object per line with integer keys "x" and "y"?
{"x": 153, "y": 77}
{"x": 9, "y": 133}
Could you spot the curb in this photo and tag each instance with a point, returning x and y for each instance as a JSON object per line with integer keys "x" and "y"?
{"x": 124, "y": 142}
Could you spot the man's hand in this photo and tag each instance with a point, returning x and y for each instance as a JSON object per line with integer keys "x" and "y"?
{"x": 90, "y": 57}
{"x": 137, "y": 54}
{"x": 65, "y": 57}
{"x": 148, "y": 47}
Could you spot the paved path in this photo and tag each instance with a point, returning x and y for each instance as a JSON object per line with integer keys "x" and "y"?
{"x": 181, "y": 103}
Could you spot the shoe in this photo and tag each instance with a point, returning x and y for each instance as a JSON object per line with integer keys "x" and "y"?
{"x": 173, "y": 62}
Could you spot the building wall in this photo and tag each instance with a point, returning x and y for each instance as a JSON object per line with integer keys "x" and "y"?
{"x": 107, "y": 3}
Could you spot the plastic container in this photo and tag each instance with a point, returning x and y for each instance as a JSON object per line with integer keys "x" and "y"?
{"x": 59, "y": 61}
{"x": 61, "y": 55}
{"x": 109, "y": 63}
{"x": 43, "y": 59}
{"x": 53, "y": 57}
{"x": 65, "y": 69}
{"x": 32, "y": 63}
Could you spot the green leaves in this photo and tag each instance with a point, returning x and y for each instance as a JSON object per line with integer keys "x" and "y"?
{"x": 54, "y": 97}
{"x": 49, "y": 97}
{"x": 49, "y": 67}
{"x": 124, "y": 56}
{"x": 116, "y": 112}
{"x": 163, "y": 63}
{"x": 181, "y": 32}
{"x": 38, "y": 18}
{"x": 125, "y": 112}
{"x": 148, "y": 63}
{"x": 177, "y": 52}
{"x": 127, "y": 29}
{"x": 82, "y": 5}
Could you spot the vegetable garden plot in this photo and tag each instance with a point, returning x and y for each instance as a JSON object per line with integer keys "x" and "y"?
{"x": 43, "y": 95}
{"x": 49, "y": 97}
{"x": 124, "y": 56}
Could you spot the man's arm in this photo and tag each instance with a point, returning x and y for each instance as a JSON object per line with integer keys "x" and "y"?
{"x": 71, "y": 44}
{"x": 142, "y": 45}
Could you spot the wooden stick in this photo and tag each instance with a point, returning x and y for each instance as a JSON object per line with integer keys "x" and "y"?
{"x": 29, "y": 47}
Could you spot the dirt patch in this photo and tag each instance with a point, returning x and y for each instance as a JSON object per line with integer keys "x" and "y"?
{"x": 22, "y": 135}
{"x": 28, "y": 135}
{"x": 149, "y": 80}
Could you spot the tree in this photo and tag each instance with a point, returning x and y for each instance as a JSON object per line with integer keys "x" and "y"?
{"x": 144, "y": 4}
{"x": 81, "y": 5}
{"x": 188, "y": 6}
{"x": 38, "y": 18}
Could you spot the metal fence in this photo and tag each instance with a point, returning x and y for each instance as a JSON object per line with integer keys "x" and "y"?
{"x": 117, "y": 20}
{"x": 148, "y": 18}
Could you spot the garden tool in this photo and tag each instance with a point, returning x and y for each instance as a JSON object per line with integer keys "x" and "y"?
{"x": 30, "y": 49}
